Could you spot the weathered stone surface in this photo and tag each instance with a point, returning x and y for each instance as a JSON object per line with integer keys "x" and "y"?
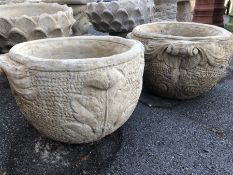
{"x": 184, "y": 11}
{"x": 76, "y": 89}
{"x": 183, "y": 60}
{"x": 29, "y": 21}
{"x": 183, "y": 139}
{"x": 120, "y": 16}
{"x": 172, "y": 10}
{"x": 82, "y": 23}
{"x": 165, "y": 10}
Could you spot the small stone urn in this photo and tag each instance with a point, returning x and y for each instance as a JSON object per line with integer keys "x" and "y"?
{"x": 76, "y": 89}
{"x": 183, "y": 60}
{"x": 30, "y": 21}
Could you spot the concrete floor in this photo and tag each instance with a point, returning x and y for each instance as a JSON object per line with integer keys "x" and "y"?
{"x": 192, "y": 137}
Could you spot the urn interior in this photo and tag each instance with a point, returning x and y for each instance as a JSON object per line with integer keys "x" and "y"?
{"x": 75, "y": 49}
{"x": 188, "y": 30}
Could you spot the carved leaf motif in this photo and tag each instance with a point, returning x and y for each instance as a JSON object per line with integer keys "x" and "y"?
{"x": 37, "y": 33}
{"x": 85, "y": 112}
{"x": 179, "y": 58}
{"x": 116, "y": 25}
{"x": 155, "y": 51}
{"x": 122, "y": 14}
{"x": 47, "y": 23}
{"x": 96, "y": 18}
{"x": 104, "y": 26}
{"x": 100, "y": 7}
{"x": 120, "y": 112}
{"x": 63, "y": 20}
{"x": 19, "y": 80}
{"x": 17, "y": 36}
{"x": 126, "y": 14}
{"x": 104, "y": 80}
{"x": 113, "y": 7}
{"x": 6, "y": 26}
{"x": 90, "y": 108}
{"x": 213, "y": 55}
{"x": 107, "y": 16}
{"x": 82, "y": 114}
{"x": 86, "y": 126}
{"x": 77, "y": 131}
{"x": 130, "y": 23}
{"x": 124, "y": 116}
{"x": 26, "y": 24}
{"x": 23, "y": 28}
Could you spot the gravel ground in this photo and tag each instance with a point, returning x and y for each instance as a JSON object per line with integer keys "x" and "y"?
{"x": 183, "y": 138}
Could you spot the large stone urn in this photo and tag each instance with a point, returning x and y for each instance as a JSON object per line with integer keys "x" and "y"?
{"x": 120, "y": 16}
{"x": 82, "y": 23}
{"x": 76, "y": 89}
{"x": 183, "y": 60}
{"x": 30, "y": 21}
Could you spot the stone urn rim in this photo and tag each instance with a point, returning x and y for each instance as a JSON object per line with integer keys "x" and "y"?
{"x": 59, "y": 9}
{"x": 220, "y": 34}
{"x": 129, "y": 51}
